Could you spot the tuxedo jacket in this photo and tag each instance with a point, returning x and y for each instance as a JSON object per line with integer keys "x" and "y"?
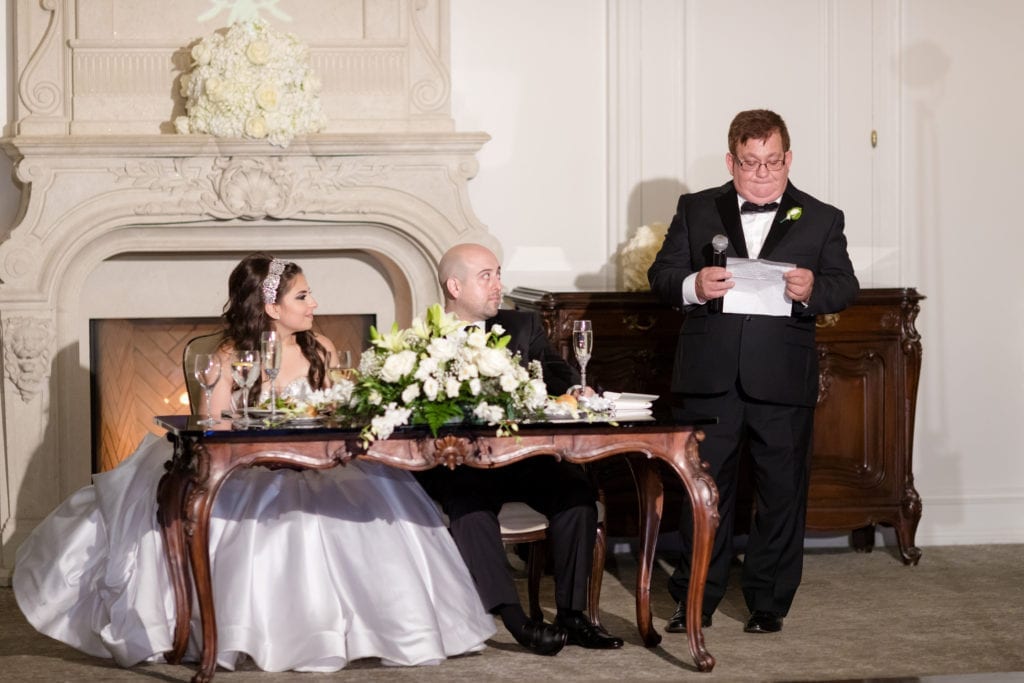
{"x": 773, "y": 358}
{"x": 531, "y": 341}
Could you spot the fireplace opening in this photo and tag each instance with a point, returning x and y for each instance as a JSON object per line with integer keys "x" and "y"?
{"x": 136, "y": 373}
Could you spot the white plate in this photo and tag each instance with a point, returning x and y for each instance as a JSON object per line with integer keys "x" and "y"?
{"x": 303, "y": 421}
{"x": 616, "y": 396}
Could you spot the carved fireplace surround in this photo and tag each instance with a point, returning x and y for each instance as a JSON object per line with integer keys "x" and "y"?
{"x": 121, "y": 215}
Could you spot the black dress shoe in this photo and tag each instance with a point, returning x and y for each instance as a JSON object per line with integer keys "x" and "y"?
{"x": 541, "y": 638}
{"x": 677, "y": 622}
{"x": 583, "y": 633}
{"x": 763, "y": 622}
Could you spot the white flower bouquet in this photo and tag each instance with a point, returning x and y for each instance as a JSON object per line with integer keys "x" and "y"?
{"x": 438, "y": 371}
{"x": 251, "y": 82}
{"x": 638, "y": 254}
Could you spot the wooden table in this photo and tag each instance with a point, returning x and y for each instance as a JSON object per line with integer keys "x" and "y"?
{"x": 204, "y": 457}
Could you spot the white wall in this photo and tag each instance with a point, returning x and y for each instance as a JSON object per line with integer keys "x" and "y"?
{"x": 962, "y": 153}
{"x": 601, "y": 111}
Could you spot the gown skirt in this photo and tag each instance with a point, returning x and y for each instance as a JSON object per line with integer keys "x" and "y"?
{"x": 311, "y": 570}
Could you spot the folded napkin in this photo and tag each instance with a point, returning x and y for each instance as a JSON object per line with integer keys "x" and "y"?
{"x": 629, "y": 402}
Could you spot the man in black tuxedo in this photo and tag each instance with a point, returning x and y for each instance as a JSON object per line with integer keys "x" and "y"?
{"x": 757, "y": 373}
{"x": 470, "y": 278}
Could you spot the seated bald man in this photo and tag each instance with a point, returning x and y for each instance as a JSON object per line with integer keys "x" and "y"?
{"x": 470, "y": 277}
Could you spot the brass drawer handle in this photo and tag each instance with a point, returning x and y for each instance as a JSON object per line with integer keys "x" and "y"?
{"x": 632, "y": 322}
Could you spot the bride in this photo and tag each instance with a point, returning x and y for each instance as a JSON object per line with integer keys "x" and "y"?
{"x": 310, "y": 569}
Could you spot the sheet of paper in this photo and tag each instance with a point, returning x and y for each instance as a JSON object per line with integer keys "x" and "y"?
{"x": 760, "y": 288}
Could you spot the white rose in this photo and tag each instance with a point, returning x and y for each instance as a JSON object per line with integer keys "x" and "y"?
{"x": 201, "y": 53}
{"x": 467, "y": 371}
{"x": 410, "y": 393}
{"x": 452, "y": 387}
{"x": 181, "y": 125}
{"x": 509, "y": 382}
{"x": 256, "y": 127}
{"x": 537, "y": 394}
{"x": 183, "y": 83}
{"x": 430, "y": 388}
{"x": 475, "y": 386}
{"x": 493, "y": 362}
{"x": 258, "y": 52}
{"x": 488, "y": 413}
{"x": 398, "y": 365}
{"x": 497, "y": 329}
{"x": 215, "y": 89}
{"x": 442, "y": 348}
{"x": 267, "y": 97}
{"x": 477, "y": 338}
{"x": 427, "y": 368}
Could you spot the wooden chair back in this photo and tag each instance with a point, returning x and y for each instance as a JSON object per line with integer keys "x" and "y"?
{"x": 206, "y": 343}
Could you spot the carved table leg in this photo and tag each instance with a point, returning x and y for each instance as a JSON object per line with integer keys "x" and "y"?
{"x": 170, "y": 500}
{"x": 650, "y": 494}
{"x": 704, "y": 503}
{"x": 200, "y": 504}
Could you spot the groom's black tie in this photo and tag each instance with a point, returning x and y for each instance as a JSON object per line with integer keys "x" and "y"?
{"x": 750, "y": 207}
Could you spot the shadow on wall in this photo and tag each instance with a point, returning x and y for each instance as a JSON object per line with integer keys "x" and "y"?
{"x": 40, "y": 490}
{"x": 10, "y": 198}
{"x": 651, "y": 201}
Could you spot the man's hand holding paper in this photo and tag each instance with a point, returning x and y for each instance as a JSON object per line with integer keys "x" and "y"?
{"x": 759, "y": 288}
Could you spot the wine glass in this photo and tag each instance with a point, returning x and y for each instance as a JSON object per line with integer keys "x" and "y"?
{"x": 207, "y": 373}
{"x": 245, "y": 368}
{"x": 270, "y": 356}
{"x": 341, "y": 368}
{"x": 582, "y": 346}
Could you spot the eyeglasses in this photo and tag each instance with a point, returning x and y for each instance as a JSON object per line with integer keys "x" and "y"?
{"x": 753, "y": 166}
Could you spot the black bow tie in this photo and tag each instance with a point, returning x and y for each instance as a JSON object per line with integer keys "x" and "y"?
{"x": 750, "y": 207}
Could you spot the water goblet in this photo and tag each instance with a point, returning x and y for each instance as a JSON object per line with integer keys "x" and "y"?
{"x": 245, "y": 368}
{"x": 270, "y": 356}
{"x": 582, "y": 346}
{"x": 207, "y": 373}
{"x": 341, "y": 367}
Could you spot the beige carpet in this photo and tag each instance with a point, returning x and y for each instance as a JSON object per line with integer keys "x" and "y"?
{"x": 857, "y": 617}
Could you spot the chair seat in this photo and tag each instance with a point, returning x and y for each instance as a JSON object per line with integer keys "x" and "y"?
{"x": 520, "y": 518}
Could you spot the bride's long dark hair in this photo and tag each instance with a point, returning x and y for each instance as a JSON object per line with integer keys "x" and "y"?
{"x": 245, "y": 315}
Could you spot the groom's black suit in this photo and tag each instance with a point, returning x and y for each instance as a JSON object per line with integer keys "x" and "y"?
{"x": 759, "y": 375}
{"x": 560, "y": 490}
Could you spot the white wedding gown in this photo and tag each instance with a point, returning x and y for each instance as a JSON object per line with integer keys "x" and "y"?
{"x": 311, "y": 570}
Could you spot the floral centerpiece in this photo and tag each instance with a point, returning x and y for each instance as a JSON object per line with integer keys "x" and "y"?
{"x": 437, "y": 371}
{"x": 251, "y": 82}
{"x": 638, "y": 254}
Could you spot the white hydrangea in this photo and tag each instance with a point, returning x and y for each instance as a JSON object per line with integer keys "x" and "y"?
{"x": 251, "y": 82}
{"x": 638, "y": 254}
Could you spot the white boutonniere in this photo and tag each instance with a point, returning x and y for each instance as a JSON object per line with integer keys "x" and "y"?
{"x": 793, "y": 214}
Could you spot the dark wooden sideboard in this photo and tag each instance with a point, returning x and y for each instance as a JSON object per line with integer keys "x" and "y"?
{"x": 870, "y": 362}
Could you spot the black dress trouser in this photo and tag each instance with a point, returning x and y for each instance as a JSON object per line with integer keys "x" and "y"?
{"x": 559, "y": 490}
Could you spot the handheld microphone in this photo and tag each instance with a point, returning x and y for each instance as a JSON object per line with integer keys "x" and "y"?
{"x": 719, "y": 243}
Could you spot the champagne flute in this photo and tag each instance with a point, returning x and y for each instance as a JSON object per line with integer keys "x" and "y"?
{"x": 207, "y": 373}
{"x": 245, "y": 368}
{"x": 582, "y": 346}
{"x": 270, "y": 356}
{"x": 341, "y": 368}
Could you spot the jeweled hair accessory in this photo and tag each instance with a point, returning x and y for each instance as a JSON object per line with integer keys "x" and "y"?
{"x": 273, "y": 280}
